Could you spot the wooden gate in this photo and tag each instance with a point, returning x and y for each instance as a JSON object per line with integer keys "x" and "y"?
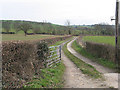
{"x": 54, "y": 57}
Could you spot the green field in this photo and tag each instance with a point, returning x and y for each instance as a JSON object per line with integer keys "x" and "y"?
{"x": 8, "y": 37}
{"x": 101, "y": 39}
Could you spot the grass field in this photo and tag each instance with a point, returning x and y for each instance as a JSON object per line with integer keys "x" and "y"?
{"x": 9, "y": 37}
{"x": 101, "y": 39}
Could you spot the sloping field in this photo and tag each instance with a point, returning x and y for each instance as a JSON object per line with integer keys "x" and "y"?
{"x": 101, "y": 39}
{"x": 8, "y": 37}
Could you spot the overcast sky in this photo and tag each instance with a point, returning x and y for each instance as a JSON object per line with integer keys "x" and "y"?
{"x": 58, "y": 11}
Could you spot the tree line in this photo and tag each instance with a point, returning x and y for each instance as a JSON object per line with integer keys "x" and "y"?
{"x": 53, "y": 29}
{"x": 96, "y": 29}
{"x": 35, "y": 27}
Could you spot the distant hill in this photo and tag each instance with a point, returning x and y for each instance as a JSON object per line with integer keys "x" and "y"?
{"x": 37, "y": 27}
{"x": 54, "y": 29}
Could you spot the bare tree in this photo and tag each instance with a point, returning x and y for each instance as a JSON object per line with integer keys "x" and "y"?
{"x": 67, "y": 23}
{"x": 25, "y": 27}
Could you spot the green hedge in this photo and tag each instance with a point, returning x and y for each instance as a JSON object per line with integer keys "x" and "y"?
{"x": 101, "y": 50}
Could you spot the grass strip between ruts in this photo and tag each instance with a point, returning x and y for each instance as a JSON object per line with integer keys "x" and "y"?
{"x": 84, "y": 67}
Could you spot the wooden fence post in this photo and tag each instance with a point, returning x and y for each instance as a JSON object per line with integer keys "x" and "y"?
{"x": 60, "y": 51}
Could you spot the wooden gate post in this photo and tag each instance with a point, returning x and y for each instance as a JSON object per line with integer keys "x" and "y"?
{"x": 60, "y": 51}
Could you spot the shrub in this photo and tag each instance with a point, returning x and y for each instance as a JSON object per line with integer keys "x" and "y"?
{"x": 42, "y": 51}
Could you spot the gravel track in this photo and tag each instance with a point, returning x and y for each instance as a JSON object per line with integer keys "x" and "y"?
{"x": 74, "y": 78}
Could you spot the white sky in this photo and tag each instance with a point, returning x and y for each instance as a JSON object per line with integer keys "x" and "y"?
{"x": 58, "y": 11}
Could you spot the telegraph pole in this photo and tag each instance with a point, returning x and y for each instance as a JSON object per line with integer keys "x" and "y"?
{"x": 117, "y": 32}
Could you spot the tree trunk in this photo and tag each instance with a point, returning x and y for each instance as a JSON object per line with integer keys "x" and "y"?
{"x": 25, "y": 33}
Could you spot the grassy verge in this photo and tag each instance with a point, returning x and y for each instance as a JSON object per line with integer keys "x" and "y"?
{"x": 50, "y": 78}
{"x": 101, "y": 61}
{"x": 84, "y": 67}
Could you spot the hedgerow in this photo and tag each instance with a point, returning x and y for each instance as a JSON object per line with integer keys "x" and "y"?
{"x": 22, "y": 60}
